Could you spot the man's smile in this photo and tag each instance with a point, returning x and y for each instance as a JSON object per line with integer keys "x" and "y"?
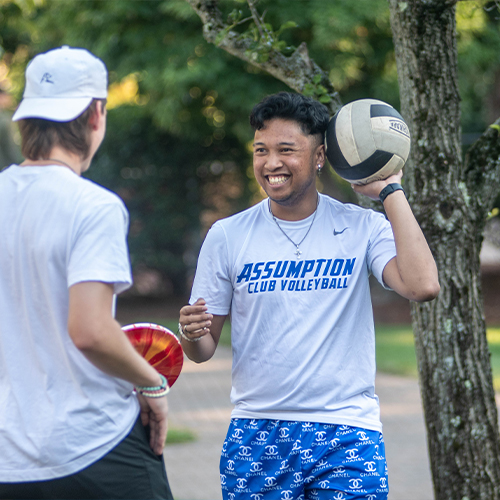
{"x": 276, "y": 180}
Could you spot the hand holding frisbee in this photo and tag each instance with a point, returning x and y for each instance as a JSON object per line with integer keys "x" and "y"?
{"x": 159, "y": 346}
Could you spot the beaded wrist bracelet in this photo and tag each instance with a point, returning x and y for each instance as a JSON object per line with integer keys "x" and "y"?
{"x": 154, "y": 392}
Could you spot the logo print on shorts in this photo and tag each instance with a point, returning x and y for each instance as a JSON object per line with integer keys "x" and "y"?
{"x": 320, "y": 436}
{"x": 257, "y": 496}
{"x": 262, "y": 436}
{"x": 284, "y": 432}
{"x": 352, "y": 454}
{"x": 286, "y": 495}
{"x": 339, "y": 496}
{"x": 245, "y": 451}
{"x": 237, "y": 434}
{"x": 256, "y": 467}
{"x": 271, "y": 449}
{"x": 270, "y": 482}
{"x": 377, "y": 456}
{"x": 370, "y": 467}
{"x": 241, "y": 482}
{"x": 334, "y": 442}
{"x": 230, "y": 465}
{"x": 383, "y": 482}
{"x": 297, "y": 477}
{"x": 322, "y": 463}
{"x": 362, "y": 436}
{"x": 355, "y": 483}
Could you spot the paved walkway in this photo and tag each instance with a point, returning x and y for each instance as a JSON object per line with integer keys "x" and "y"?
{"x": 200, "y": 402}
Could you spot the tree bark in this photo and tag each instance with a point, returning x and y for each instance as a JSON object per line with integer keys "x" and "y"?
{"x": 450, "y": 199}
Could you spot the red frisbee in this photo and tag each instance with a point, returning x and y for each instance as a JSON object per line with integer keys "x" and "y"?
{"x": 159, "y": 346}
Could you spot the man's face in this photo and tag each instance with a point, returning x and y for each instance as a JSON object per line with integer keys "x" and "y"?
{"x": 285, "y": 161}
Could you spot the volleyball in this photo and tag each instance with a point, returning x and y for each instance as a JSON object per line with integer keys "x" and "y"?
{"x": 367, "y": 140}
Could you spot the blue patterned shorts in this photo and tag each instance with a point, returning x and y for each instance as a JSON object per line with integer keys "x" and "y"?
{"x": 281, "y": 460}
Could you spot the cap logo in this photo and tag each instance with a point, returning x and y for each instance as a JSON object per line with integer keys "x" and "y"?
{"x": 47, "y": 78}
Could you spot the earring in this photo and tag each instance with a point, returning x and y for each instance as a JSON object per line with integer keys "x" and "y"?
{"x": 319, "y": 168}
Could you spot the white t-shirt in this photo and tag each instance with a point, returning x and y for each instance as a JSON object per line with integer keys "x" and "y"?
{"x": 58, "y": 412}
{"x": 302, "y": 330}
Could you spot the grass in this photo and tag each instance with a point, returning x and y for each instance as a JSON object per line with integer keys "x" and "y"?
{"x": 396, "y": 351}
{"x": 178, "y": 435}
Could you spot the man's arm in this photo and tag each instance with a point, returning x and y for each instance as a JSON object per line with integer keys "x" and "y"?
{"x": 202, "y": 329}
{"x": 413, "y": 272}
{"x": 101, "y": 340}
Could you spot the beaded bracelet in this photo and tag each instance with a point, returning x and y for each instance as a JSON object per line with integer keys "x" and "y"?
{"x": 184, "y": 336}
{"x": 154, "y": 392}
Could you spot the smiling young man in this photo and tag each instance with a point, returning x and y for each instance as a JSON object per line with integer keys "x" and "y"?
{"x": 292, "y": 272}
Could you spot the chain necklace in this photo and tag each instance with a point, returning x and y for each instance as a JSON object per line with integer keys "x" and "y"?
{"x": 297, "y": 252}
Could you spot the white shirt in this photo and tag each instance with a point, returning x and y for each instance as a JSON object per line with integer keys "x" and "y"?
{"x": 302, "y": 330}
{"x": 58, "y": 412}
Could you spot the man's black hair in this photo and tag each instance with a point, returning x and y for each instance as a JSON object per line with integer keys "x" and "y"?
{"x": 311, "y": 115}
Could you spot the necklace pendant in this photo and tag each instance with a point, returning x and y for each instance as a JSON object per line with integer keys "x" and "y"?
{"x": 298, "y": 253}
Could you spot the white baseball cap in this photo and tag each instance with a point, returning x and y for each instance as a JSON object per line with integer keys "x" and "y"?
{"x": 61, "y": 83}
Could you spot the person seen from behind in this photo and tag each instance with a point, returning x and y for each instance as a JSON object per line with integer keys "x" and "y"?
{"x": 83, "y": 415}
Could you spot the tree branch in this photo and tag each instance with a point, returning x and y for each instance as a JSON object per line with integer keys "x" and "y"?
{"x": 259, "y": 21}
{"x": 296, "y": 71}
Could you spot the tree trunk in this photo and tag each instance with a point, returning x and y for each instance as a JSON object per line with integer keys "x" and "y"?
{"x": 450, "y": 332}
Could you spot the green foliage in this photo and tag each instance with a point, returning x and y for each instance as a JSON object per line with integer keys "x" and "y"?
{"x": 177, "y": 151}
{"x": 478, "y": 30}
{"x": 261, "y": 39}
{"x": 316, "y": 90}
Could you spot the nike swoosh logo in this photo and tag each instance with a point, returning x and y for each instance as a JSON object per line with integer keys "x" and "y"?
{"x": 335, "y": 233}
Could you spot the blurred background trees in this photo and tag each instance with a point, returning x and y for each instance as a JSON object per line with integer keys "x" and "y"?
{"x": 177, "y": 150}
